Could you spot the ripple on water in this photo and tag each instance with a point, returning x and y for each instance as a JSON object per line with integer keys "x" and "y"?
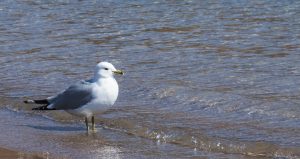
{"x": 203, "y": 78}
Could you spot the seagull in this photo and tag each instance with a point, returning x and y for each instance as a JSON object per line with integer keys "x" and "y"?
{"x": 87, "y": 97}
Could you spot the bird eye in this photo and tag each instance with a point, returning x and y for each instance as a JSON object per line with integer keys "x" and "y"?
{"x": 105, "y": 68}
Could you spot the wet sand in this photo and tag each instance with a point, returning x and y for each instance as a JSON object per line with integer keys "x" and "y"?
{"x": 28, "y": 134}
{"x": 33, "y": 135}
{"x": 15, "y": 139}
{"x": 13, "y": 154}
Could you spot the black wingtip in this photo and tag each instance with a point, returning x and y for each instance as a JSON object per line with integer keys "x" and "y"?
{"x": 28, "y": 101}
{"x": 43, "y": 101}
{"x": 43, "y": 108}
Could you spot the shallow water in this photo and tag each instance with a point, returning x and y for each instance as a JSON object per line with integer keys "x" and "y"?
{"x": 203, "y": 79}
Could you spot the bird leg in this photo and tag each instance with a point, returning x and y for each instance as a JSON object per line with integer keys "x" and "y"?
{"x": 93, "y": 123}
{"x": 86, "y": 123}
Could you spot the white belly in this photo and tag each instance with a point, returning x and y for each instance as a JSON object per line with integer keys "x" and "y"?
{"x": 104, "y": 97}
{"x": 89, "y": 110}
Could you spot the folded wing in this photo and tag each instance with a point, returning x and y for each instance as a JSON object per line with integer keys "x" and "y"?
{"x": 72, "y": 98}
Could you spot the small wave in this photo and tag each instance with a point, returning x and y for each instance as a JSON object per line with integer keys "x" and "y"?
{"x": 213, "y": 144}
{"x": 196, "y": 138}
{"x": 181, "y": 129}
{"x": 173, "y": 29}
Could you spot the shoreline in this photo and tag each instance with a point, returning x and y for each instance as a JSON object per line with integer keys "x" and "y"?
{"x": 28, "y": 135}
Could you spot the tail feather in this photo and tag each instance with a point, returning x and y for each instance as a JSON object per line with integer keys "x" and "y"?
{"x": 42, "y": 101}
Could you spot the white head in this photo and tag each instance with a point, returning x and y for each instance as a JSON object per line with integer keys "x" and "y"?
{"x": 106, "y": 70}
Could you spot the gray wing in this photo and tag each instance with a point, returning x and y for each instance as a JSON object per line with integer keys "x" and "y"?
{"x": 74, "y": 97}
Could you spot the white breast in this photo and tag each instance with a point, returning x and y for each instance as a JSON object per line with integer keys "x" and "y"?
{"x": 105, "y": 94}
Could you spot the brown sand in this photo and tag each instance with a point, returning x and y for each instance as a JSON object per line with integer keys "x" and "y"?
{"x": 11, "y": 154}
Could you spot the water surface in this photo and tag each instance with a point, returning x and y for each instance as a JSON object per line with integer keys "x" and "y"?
{"x": 210, "y": 79}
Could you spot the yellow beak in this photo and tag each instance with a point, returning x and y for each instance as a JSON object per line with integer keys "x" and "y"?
{"x": 118, "y": 72}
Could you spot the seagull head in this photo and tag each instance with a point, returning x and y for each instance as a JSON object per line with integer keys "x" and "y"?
{"x": 105, "y": 70}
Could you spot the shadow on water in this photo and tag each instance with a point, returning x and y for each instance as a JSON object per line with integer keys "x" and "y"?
{"x": 92, "y": 133}
{"x": 55, "y": 128}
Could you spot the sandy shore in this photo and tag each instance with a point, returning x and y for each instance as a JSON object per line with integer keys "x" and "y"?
{"x": 14, "y": 138}
{"x": 29, "y": 136}
{"x": 11, "y": 154}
